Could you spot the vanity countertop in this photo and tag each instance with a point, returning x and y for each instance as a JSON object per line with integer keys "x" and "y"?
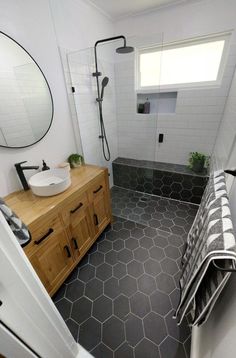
{"x": 30, "y": 207}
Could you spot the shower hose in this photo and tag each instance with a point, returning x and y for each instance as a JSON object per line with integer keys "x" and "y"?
{"x": 103, "y": 136}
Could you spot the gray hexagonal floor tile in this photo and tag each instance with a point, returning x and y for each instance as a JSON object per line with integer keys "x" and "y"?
{"x": 102, "y": 308}
{"x": 96, "y": 259}
{"x": 128, "y": 285}
{"x": 139, "y": 304}
{"x": 102, "y": 351}
{"x": 104, "y": 271}
{"x": 135, "y": 268}
{"x": 124, "y": 351}
{"x": 169, "y": 266}
{"x": 90, "y": 333}
{"x": 81, "y": 310}
{"x": 64, "y": 307}
{"x": 124, "y": 250}
{"x": 172, "y": 349}
{"x": 119, "y": 270}
{"x": 155, "y": 328}
{"x": 146, "y": 348}
{"x": 111, "y": 257}
{"x": 94, "y": 289}
{"x": 134, "y": 330}
{"x": 111, "y": 288}
{"x": 74, "y": 290}
{"x": 86, "y": 273}
{"x": 113, "y": 333}
{"x": 141, "y": 254}
{"x": 131, "y": 243}
{"x": 157, "y": 253}
{"x": 125, "y": 256}
{"x": 152, "y": 267}
{"x": 160, "y": 302}
{"x": 165, "y": 282}
{"x": 121, "y": 307}
{"x": 172, "y": 252}
{"x": 73, "y": 327}
{"x": 118, "y": 245}
{"x": 146, "y": 284}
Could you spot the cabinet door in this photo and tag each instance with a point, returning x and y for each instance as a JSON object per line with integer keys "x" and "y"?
{"x": 76, "y": 217}
{"x": 53, "y": 261}
{"x": 100, "y": 204}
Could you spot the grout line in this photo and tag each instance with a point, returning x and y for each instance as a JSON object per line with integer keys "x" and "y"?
{"x": 156, "y": 196}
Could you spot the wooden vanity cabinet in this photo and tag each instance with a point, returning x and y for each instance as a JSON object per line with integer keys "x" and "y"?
{"x": 65, "y": 226}
{"x": 53, "y": 261}
{"x": 77, "y": 220}
{"x": 100, "y": 209}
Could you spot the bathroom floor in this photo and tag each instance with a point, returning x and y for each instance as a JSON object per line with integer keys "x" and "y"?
{"x": 119, "y": 301}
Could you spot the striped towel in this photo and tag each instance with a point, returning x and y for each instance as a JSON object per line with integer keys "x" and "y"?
{"x": 210, "y": 240}
{"x": 18, "y": 228}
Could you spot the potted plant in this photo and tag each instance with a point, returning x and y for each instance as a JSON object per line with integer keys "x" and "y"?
{"x": 75, "y": 160}
{"x": 197, "y": 162}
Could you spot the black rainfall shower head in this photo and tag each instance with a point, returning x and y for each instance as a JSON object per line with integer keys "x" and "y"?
{"x": 124, "y": 49}
{"x": 104, "y": 84}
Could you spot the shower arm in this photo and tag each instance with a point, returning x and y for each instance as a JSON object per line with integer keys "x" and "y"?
{"x": 97, "y": 73}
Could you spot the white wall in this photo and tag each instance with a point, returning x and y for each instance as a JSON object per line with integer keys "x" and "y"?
{"x": 227, "y": 134}
{"x": 29, "y": 22}
{"x": 78, "y": 26}
{"x": 198, "y": 112}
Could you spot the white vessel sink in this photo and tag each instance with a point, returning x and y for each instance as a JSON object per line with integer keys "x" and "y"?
{"x": 50, "y": 182}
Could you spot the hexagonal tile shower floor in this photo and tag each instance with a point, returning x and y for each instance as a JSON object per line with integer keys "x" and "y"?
{"x": 119, "y": 301}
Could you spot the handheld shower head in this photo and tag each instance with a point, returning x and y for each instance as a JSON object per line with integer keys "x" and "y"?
{"x": 104, "y": 84}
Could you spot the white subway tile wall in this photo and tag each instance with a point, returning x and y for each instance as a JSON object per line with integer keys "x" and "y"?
{"x": 227, "y": 134}
{"x": 193, "y": 127}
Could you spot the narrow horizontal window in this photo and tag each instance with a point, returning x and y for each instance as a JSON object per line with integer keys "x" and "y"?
{"x": 192, "y": 62}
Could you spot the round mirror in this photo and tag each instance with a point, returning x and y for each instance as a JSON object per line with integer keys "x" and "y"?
{"x": 26, "y": 105}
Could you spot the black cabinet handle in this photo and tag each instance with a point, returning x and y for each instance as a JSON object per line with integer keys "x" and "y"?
{"x": 97, "y": 190}
{"x": 77, "y": 208}
{"x": 0, "y": 303}
{"x": 75, "y": 243}
{"x": 67, "y": 251}
{"x": 96, "y": 219}
{"x": 50, "y": 231}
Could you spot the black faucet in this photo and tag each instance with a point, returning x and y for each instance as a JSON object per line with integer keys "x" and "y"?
{"x": 20, "y": 172}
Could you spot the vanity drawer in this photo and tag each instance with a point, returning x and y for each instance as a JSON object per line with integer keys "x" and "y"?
{"x": 97, "y": 188}
{"x": 74, "y": 209}
{"x": 44, "y": 231}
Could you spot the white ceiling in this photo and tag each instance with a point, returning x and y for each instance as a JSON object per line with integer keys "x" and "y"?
{"x": 122, "y": 8}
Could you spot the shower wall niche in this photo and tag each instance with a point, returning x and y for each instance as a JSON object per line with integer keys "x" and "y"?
{"x": 164, "y": 102}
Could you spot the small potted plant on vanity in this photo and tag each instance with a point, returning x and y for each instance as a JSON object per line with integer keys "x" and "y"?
{"x": 197, "y": 162}
{"x": 75, "y": 160}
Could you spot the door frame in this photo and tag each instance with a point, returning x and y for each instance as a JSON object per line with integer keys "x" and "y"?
{"x": 26, "y": 308}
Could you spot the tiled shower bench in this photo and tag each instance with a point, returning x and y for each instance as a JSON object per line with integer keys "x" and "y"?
{"x": 164, "y": 179}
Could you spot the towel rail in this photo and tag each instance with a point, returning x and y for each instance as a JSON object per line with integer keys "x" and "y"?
{"x": 223, "y": 268}
{"x": 231, "y": 171}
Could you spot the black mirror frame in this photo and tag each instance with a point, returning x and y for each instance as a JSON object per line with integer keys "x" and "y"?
{"x": 50, "y": 92}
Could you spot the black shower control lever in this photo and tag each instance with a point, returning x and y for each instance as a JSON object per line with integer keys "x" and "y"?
{"x": 161, "y": 138}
